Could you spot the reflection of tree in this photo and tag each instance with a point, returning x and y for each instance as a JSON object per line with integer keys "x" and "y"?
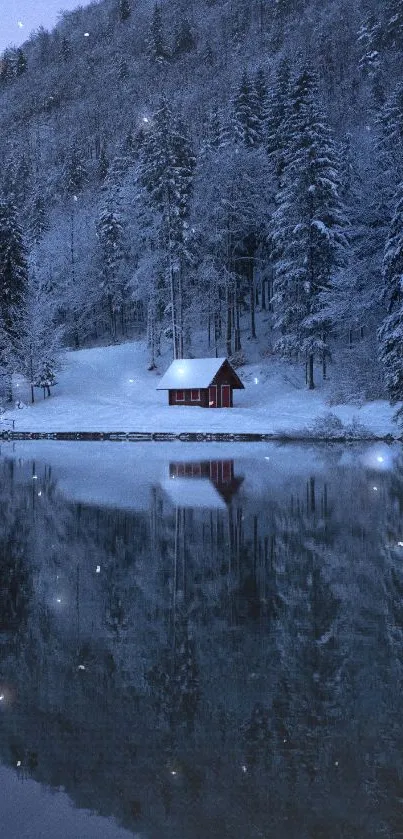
{"x": 236, "y": 672}
{"x": 15, "y": 574}
{"x": 174, "y": 681}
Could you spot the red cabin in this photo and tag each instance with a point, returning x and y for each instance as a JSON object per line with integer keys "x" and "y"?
{"x": 206, "y": 382}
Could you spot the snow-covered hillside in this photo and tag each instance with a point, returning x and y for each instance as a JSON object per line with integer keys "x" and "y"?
{"x": 110, "y": 389}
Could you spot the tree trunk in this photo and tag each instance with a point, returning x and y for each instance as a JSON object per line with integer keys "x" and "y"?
{"x": 263, "y": 303}
{"x": 237, "y": 330}
{"x": 311, "y": 383}
{"x": 229, "y": 325}
{"x": 180, "y": 316}
{"x": 252, "y": 299}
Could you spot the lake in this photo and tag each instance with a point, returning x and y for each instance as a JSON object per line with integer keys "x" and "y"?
{"x": 201, "y": 641}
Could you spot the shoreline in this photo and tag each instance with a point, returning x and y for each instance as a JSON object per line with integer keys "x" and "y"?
{"x": 196, "y": 437}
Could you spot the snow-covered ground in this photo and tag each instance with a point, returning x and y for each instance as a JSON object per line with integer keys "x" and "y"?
{"x": 110, "y": 389}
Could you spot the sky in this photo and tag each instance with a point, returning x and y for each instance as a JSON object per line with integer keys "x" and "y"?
{"x": 19, "y": 17}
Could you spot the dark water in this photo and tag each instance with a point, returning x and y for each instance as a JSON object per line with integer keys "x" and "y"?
{"x": 218, "y": 655}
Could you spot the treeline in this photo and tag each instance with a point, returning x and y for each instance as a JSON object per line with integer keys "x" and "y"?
{"x": 215, "y": 170}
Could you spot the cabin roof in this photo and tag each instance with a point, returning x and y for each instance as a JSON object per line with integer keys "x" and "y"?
{"x": 187, "y": 373}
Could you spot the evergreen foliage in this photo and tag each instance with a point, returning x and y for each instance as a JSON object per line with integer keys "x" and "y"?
{"x": 156, "y": 45}
{"x": 246, "y": 113}
{"x": 125, "y": 10}
{"x": 308, "y": 231}
{"x": 13, "y": 270}
{"x": 391, "y": 329}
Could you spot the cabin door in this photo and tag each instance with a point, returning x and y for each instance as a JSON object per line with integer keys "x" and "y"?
{"x": 225, "y": 396}
{"x": 212, "y": 396}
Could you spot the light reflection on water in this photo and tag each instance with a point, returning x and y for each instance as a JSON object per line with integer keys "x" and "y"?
{"x": 218, "y": 655}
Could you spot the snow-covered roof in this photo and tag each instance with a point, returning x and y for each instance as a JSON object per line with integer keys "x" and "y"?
{"x": 190, "y": 373}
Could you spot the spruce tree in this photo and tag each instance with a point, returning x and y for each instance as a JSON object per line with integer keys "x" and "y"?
{"x": 125, "y": 10}
{"x": 13, "y": 270}
{"x": 390, "y": 145}
{"x": 391, "y": 329}
{"x": 110, "y": 235}
{"x": 393, "y": 28}
{"x": 75, "y": 173}
{"x": 261, "y": 91}
{"x": 308, "y": 230}
{"x": 184, "y": 40}
{"x": 65, "y": 49}
{"x": 6, "y": 68}
{"x": 277, "y": 110}
{"x": 167, "y": 174}
{"x": 156, "y": 45}
{"x": 38, "y": 222}
{"x": 20, "y": 63}
{"x": 38, "y": 343}
{"x": 245, "y": 114}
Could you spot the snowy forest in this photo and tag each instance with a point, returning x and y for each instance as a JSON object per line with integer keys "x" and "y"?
{"x": 218, "y": 176}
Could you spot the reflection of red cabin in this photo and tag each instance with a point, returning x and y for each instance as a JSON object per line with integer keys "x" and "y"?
{"x": 219, "y": 472}
{"x": 207, "y": 382}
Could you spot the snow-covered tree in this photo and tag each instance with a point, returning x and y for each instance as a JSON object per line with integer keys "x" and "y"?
{"x": 125, "y": 10}
{"x": 184, "y": 40}
{"x": 38, "y": 343}
{"x": 110, "y": 234}
{"x": 308, "y": 228}
{"x": 391, "y": 329}
{"x": 13, "y": 269}
{"x": 20, "y": 63}
{"x": 156, "y": 44}
{"x": 277, "y": 105}
{"x": 75, "y": 172}
{"x": 167, "y": 171}
{"x": 246, "y": 111}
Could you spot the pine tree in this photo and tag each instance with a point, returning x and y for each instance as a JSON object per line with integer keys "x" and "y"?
{"x": 167, "y": 175}
{"x": 38, "y": 343}
{"x": 391, "y": 330}
{"x": 125, "y": 10}
{"x": 184, "y": 40}
{"x": 308, "y": 228}
{"x": 20, "y": 63}
{"x": 38, "y": 222}
{"x": 6, "y": 68}
{"x": 75, "y": 173}
{"x": 103, "y": 164}
{"x": 65, "y": 49}
{"x": 245, "y": 114}
{"x": 13, "y": 269}
{"x": 390, "y": 145}
{"x": 110, "y": 235}
{"x": 217, "y": 131}
{"x": 261, "y": 91}
{"x": 13, "y": 289}
{"x": 393, "y": 29}
{"x": 277, "y": 110}
{"x": 156, "y": 46}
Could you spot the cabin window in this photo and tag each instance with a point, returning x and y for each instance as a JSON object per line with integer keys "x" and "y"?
{"x": 195, "y": 395}
{"x": 180, "y": 395}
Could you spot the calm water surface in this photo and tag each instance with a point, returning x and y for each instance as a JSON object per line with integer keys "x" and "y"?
{"x": 201, "y": 643}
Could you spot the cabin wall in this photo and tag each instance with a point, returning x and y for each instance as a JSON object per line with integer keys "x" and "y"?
{"x": 188, "y": 397}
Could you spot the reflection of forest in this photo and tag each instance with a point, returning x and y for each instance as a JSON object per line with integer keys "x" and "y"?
{"x": 214, "y": 674}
